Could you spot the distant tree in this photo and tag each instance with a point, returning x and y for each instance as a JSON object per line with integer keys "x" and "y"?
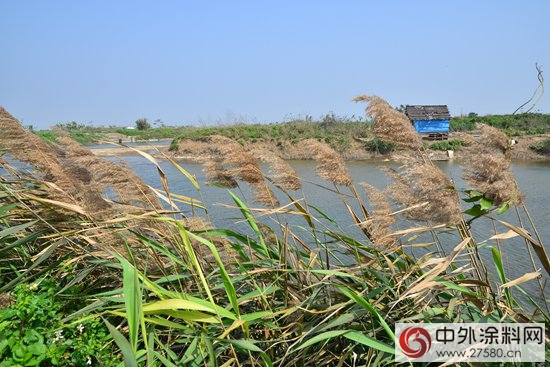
{"x": 142, "y": 124}
{"x": 70, "y": 126}
{"x": 472, "y": 114}
{"x": 400, "y": 108}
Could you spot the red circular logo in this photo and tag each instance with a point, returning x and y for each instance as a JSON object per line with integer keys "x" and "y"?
{"x": 415, "y": 342}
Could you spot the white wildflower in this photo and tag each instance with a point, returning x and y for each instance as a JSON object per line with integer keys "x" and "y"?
{"x": 80, "y": 328}
{"x": 33, "y": 286}
{"x": 58, "y": 336}
{"x": 89, "y": 361}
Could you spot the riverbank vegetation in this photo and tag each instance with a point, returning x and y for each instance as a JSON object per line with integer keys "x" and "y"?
{"x": 513, "y": 125}
{"x": 98, "y": 268}
{"x": 340, "y": 132}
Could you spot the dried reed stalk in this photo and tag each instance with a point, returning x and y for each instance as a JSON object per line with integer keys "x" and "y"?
{"x": 330, "y": 164}
{"x": 390, "y": 124}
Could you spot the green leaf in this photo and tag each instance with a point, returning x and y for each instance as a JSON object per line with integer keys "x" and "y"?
{"x": 503, "y": 209}
{"x": 128, "y": 354}
{"x": 497, "y": 258}
{"x": 485, "y": 203}
{"x": 369, "y": 342}
{"x": 252, "y": 223}
{"x": 475, "y": 211}
{"x": 366, "y": 305}
{"x": 321, "y": 337}
{"x": 132, "y": 300}
{"x": 472, "y": 199}
{"x": 175, "y": 304}
{"x": 226, "y": 279}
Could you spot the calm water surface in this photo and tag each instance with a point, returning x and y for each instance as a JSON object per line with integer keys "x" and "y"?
{"x": 532, "y": 177}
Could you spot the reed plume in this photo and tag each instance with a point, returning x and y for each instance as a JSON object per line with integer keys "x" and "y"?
{"x": 217, "y": 175}
{"x": 489, "y": 170}
{"x": 427, "y": 193}
{"x": 103, "y": 174}
{"x": 282, "y": 173}
{"x": 381, "y": 219}
{"x": 390, "y": 124}
{"x": 330, "y": 164}
{"x": 26, "y": 147}
{"x": 242, "y": 165}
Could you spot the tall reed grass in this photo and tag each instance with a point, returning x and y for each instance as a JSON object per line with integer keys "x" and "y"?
{"x": 175, "y": 291}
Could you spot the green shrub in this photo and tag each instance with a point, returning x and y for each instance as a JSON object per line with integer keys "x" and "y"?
{"x": 542, "y": 147}
{"x": 379, "y": 146}
{"x": 520, "y": 124}
{"x": 32, "y": 332}
{"x": 454, "y": 144}
{"x": 46, "y": 135}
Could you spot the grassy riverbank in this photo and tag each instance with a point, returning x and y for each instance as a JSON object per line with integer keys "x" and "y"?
{"x": 97, "y": 266}
{"x": 352, "y": 137}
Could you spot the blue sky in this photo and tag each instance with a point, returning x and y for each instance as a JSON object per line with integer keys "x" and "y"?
{"x": 198, "y": 62}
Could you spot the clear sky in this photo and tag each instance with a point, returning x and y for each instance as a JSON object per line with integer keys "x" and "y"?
{"x": 191, "y": 62}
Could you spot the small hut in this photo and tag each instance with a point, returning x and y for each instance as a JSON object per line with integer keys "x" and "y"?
{"x": 431, "y": 122}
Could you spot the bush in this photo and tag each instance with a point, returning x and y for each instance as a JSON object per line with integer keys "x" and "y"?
{"x": 32, "y": 332}
{"x": 542, "y": 147}
{"x": 520, "y": 124}
{"x": 454, "y": 144}
{"x": 379, "y": 146}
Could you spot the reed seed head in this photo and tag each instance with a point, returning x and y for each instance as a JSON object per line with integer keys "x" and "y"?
{"x": 330, "y": 164}
{"x": 489, "y": 170}
{"x": 381, "y": 219}
{"x": 427, "y": 194}
{"x": 242, "y": 165}
{"x": 217, "y": 175}
{"x": 390, "y": 124}
{"x": 283, "y": 175}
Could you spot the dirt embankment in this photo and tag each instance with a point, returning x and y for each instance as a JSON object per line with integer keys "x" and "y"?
{"x": 199, "y": 150}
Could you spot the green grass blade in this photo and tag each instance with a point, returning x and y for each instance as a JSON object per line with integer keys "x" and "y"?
{"x": 251, "y": 222}
{"x": 132, "y": 300}
{"x": 130, "y": 358}
{"x": 322, "y": 337}
{"x": 368, "y": 341}
{"x": 366, "y": 305}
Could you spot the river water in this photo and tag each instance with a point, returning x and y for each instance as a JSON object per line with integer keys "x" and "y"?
{"x": 531, "y": 177}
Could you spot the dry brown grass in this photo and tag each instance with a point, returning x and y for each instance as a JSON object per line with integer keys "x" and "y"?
{"x": 390, "y": 124}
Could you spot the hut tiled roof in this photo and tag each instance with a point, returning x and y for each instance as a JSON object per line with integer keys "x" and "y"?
{"x": 437, "y": 112}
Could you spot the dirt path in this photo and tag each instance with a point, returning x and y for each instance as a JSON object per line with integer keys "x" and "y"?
{"x": 116, "y": 151}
